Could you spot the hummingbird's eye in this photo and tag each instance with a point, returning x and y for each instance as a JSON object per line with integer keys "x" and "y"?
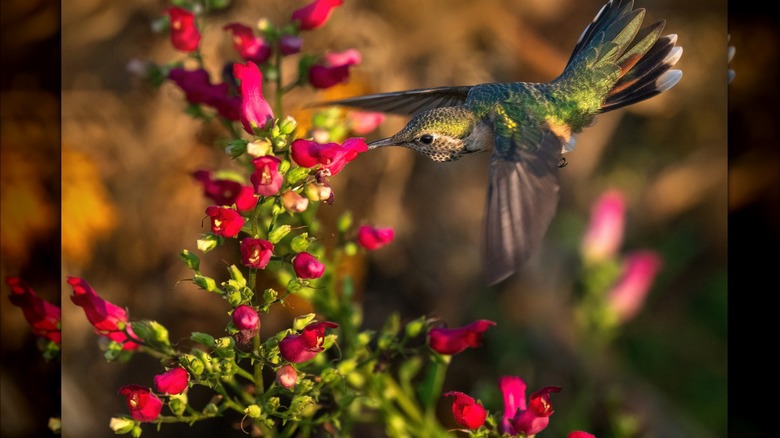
{"x": 426, "y": 139}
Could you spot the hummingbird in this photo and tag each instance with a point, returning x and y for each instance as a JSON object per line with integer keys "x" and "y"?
{"x": 529, "y": 126}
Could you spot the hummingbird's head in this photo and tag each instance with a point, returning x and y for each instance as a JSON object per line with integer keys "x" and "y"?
{"x": 443, "y": 134}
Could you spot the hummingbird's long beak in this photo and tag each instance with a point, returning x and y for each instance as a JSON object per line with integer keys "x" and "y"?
{"x": 389, "y": 141}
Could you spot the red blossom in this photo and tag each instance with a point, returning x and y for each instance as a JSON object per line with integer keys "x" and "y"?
{"x": 627, "y": 296}
{"x": 580, "y": 434}
{"x": 249, "y": 46}
{"x": 513, "y": 390}
{"x": 143, "y": 404}
{"x": 226, "y": 192}
{"x": 44, "y": 318}
{"x": 256, "y": 253}
{"x": 246, "y": 318}
{"x": 453, "y": 341}
{"x": 363, "y": 122}
{"x": 184, "y": 34}
{"x": 104, "y": 316}
{"x": 467, "y": 412}
{"x": 225, "y": 221}
{"x": 173, "y": 381}
{"x": 315, "y": 14}
{"x": 333, "y": 69}
{"x": 331, "y": 156}
{"x": 198, "y": 89}
{"x": 604, "y": 234}
{"x": 535, "y": 418}
{"x": 372, "y": 238}
{"x": 266, "y": 177}
{"x": 307, "y": 266}
{"x": 255, "y": 111}
{"x": 297, "y": 348}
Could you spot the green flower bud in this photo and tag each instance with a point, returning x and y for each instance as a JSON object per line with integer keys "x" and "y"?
{"x": 273, "y": 403}
{"x": 192, "y": 364}
{"x": 350, "y": 248}
{"x": 278, "y": 233}
{"x": 300, "y": 242}
{"x": 203, "y": 338}
{"x": 302, "y": 321}
{"x": 253, "y": 411}
{"x": 206, "y": 283}
{"x": 211, "y": 410}
{"x": 297, "y": 175}
{"x": 178, "y": 404}
{"x": 154, "y": 334}
{"x": 121, "y": 425}
{"x": 259, "y": 148}
{"x": 302, "y": 405}
{"x": 207, "y": 242}
{"x": 237, "y": 276}
{"x": 191, "y": 260}
{"x": 269, "y": 296}
{"x": 55, "y": 425}
{"x": 288, "y": 125}
{"x": 415, "y": 327}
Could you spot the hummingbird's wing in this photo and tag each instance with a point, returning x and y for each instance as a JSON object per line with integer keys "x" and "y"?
{"x": 522, "y": 193}
{"x": 406, "y": 102}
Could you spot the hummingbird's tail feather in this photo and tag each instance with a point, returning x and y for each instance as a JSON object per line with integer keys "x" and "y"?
{"x": 615, "y": 63}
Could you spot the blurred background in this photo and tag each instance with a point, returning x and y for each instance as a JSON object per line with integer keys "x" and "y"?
{"x": 129, "y": 204}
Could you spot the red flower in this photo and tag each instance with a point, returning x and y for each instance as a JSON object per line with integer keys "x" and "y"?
{"x": 256, "y": 253}
{"x": 246, "y": 318}
{"x": 255, "y": 111}
{"x": 184, "y": 34}
{"x": 468, "y": 413}
{"x": 266, "y": 178}
{"x": 286, "y": 376}
{"x": 315, "y": 14}
{"x": 331, "y": 156}
{"x": 225, "y": 221}
{"x": 605, "y": 229}
{"x": 198, "y": 89}
{"x": 306, "y": 266}
{"x": 143, "y": 404}
{"x": 249, "y": 47}
{"x": 104, "y": 316}
{"x": 626, "y": 297}
{"x": 372, "y": 238}
{"x": 333, "y": 69}
{"x": 226, "y": 192}
{"x": 580, "y": 434}
{"x": 519, "y": 418}
{"x": 173, "y": 381}
{"x": 44, "y": 318}
{"x": 306, "y": 345}
{"x": 452, "y": 341}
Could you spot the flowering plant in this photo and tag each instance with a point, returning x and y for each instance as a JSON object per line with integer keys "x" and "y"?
{"x": 327, "y": 372}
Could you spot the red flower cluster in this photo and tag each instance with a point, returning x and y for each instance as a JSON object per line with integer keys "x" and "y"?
{"x": 108, "y": 319}
{"x": 520, "y": 418}
{"x": 44, "y": 318}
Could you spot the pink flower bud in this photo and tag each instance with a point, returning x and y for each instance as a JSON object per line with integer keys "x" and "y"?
{"x": 173, "y": 381}
{"x": 467, "y": 412}
{"x": 605, "y": 230}
{"x": 372, "y": 238}
{"x": 293, "y": 202}
{"x": 286, "y": 376}
{"x": 453, "y": 341}
{"x": 44, "y": 318}
{"x": 315, "y": 14}
{"x": 307, "y": 266}
{"x": 143, "y": 404}
{"x": 255, "y": 110}
{"x": 363, "y": 122}
{"x": 627, "y": 296}
{"x": 246, "y": 318}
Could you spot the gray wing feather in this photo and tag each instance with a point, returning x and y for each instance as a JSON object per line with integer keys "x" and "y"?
{"x": 406, "y": 102}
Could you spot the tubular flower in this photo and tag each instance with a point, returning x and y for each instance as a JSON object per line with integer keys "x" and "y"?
{"x": 604, "y": 234}
{"x": 533, "y": 419}
{"x": 255, "y": 111}
{"x": 266, "y": 177}
{"x": 372, "y": 238}
{"x": 225, "y": 221}
{"x": 333, "y": 69}
{"x": 226, "y": 192}
{"x": 331, "y": 156}
{"x": 104, "y": 316}
{"x": 307, "y": 266}
{"x": 198, "y": 89}
{"x": 363, "y": 122}
{"x": 306, "y": 345}
{"x": 173, "y": 381}
{"x": 513, "y": 390}
{"x": 44, "y": 318}
{"x": 467, "y": 412}
{"x": 249, "y": 46}
{"x": 627, "y": 296}
{"x": 453, "y": 341}
{"x": 256, "y": 253}
{"x": 184, "y": 33}
{"x": 315, "y": 14}
{"x": 143, "y": 404}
